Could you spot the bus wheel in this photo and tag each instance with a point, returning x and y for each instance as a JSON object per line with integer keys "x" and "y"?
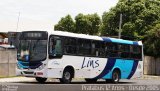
{"x": 91, "y": 80}
{"x": 67, "y": 76}
{"x": 115, "y": 76}
{"x": 40, "y": 79}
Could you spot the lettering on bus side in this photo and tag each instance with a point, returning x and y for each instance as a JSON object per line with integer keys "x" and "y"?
{"x": 90, "y": 63}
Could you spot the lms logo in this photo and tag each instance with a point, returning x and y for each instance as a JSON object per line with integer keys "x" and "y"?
{"x": 90, "y": 63}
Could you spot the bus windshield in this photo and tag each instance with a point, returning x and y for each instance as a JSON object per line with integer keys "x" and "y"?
{"x": 32, "y": 50}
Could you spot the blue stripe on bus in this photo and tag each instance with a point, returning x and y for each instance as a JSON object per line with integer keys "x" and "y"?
{"x": 109, "y": 65}
{"x": 114, "y": 40}
{"x": 21, "y": 64}
{"x": 106, "y": 40}
{"x": 135, "y": 64}
{"x": 125, "y": 67}
{"x": 121, "y": 41}
{"x": 135, "y": 43}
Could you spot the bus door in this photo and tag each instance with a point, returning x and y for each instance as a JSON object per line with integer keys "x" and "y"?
{"x": 55, "y": 52}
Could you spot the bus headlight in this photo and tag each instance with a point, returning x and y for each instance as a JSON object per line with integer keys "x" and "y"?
{"x": 18, "y": 66}
{"x": 139, "y": 66}
{"x": 41, "y": 67}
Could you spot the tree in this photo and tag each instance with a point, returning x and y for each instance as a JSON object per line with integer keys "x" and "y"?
{"x": 141, "y": 21}
{"x": 81, "y": 23}
{"x": 152, "y": 41}
{"x": 139, "y": 16}
{"x": 65, "y": 24}
{"x": 88, "y": 24}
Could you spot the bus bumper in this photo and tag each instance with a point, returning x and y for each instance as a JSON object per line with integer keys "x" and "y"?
{"x": 30, "y": 73}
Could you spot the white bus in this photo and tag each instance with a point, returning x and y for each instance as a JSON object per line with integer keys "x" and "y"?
{"x": 65, "y": 55}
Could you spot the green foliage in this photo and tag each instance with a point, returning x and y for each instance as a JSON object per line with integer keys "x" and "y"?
{"x": 139, "y": 16}
{"x": 152, "y": 41}
{"x": 66, "y": 24}
{"x": 86, "y": 24}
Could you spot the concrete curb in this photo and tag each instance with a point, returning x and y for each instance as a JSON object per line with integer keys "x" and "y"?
{"x": 17, "y": 79}
{"x": 150, "y": 77}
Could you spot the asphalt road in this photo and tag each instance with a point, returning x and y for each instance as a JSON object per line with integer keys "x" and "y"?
{"x": 127, "y": 85}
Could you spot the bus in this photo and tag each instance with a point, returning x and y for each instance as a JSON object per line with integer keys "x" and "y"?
{"x": 65, "y": 55}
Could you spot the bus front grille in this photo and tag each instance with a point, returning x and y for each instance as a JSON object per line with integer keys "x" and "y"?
{"x": 27, "y": 72}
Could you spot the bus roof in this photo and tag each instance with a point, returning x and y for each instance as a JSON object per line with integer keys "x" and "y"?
{"x": 69, "y": 34}
{"x": 85, "y": 36}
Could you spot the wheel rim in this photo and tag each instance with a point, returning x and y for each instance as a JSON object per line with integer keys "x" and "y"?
{"x": 67, "y": 75}
{"x": 116, "y": 77}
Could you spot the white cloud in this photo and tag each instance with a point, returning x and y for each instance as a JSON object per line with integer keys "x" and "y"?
{"x": 43, "y": 14}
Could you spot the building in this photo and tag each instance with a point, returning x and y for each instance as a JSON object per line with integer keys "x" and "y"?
{"x": 13, "y": 38}
{"x": 9, "y": 40}
{"x": 3, "y": 38}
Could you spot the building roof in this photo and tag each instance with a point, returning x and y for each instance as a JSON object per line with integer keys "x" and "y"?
{"x": 4, "y": 35}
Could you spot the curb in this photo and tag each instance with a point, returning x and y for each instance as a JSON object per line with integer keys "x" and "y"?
{"x": 150, "y": 77}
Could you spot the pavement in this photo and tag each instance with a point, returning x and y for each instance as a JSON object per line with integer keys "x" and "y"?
{"x": 147, "y": 83}
{"x": 16, "y": 79}
{"x": 29, "y": 79}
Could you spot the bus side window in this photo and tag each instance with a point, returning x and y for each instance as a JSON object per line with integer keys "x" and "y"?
{"x": 136, "y": 52}
{"x": 125, "y": 51}
{"x": 94, "y": 51}
{"x": 98, "y": 48}
{"x": 112, "y": 50}
{"x": 70, "y": 46}
{"x": 107, "y": 49}
{"x": 84, "y": 47}
{"x": 80, "y": 46}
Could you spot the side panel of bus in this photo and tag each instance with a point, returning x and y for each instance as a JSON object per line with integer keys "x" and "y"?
{"x": 84, "y": 67}
{"x": 87, "y": 67}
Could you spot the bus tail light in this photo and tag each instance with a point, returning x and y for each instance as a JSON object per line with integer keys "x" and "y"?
{"x": 139, "y": 66}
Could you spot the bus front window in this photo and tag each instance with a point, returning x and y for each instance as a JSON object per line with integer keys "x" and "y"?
{"x": 32, "y": 50}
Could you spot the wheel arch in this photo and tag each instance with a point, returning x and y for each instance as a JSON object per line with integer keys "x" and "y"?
{"x": 71, "y": 68}
{"x": 117, "y": 69}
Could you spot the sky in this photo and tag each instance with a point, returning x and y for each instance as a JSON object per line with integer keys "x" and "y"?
{"x": 44, "y": 14}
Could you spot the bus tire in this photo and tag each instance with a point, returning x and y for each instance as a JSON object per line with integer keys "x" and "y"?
{"x": 40, "y": 79}
{"x": 67, "y": 76}
{"x": 116, "y": 76}
{"x": 91, "y": 80}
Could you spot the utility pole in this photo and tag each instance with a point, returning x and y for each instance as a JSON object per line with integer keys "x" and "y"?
{"x": 120, "y": 29}
{"x": 18, "y": 21}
